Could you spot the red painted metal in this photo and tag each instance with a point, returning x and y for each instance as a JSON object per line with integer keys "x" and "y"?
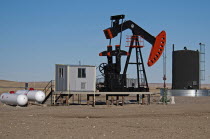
{"x": 157, "y": 49}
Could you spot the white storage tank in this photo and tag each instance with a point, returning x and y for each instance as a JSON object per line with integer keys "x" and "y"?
{"x": 75, "y": 78}
{"x": 33, "y": 95}
{"x": 14, "y": 99}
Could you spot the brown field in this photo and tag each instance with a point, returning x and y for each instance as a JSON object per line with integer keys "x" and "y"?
{"x": 6, "y": 86}
{"x": 188, "y": 118}
{"x": 154, "y": 87}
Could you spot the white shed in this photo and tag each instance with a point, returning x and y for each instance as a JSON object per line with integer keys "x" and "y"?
{"x": 75, "y": 78}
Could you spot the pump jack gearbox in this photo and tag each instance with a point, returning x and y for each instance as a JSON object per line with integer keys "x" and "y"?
{"x": 114, "y": 80}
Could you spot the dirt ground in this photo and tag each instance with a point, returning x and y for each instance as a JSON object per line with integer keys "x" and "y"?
{"x": 188, "y": 118}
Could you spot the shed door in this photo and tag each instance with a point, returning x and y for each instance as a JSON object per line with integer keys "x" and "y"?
{"x": 61, "y": 80}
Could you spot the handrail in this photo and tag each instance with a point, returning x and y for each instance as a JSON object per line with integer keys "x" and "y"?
{"x": 48, "y": 86}
{"x": 46, "y": 89}
{"x": 50, "y": 82}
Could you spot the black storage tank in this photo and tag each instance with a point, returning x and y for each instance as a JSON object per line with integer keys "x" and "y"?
{"x": 185, "y": 69}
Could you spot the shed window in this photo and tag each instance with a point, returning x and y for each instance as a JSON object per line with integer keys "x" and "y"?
{"x": 83, "y": 85}
{"x": 61, "y": 72}
{"x": 81, "y": 73}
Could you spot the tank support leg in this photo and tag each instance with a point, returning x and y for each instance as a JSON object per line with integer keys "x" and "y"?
{"x": 67, "y": 100}
{"x": 112, "y": 100}
{"x": 107, "y": 100}
{"x": 117, "y": 101}
{"x": 88, "y": 99}
{"x": 93, "y": 101}
{"x": 123, "y": 100}
{"x": 143, "y": 99}
{"x": 137, "y": 96}
{"x": 148, "y": 99}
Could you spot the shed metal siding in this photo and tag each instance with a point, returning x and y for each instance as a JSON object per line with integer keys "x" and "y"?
{"x": 74, "y": 84}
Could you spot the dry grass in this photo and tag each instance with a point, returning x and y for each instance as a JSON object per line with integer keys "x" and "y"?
{"x": 13, "y": 86}
{"x": 6, "y": 86}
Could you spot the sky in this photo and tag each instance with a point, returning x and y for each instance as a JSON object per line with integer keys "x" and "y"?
{"x": 37, "y": 34}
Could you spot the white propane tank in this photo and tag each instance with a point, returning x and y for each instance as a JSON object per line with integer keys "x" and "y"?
{"x": 33, "y": 95}
{"x": 14, "y": 99}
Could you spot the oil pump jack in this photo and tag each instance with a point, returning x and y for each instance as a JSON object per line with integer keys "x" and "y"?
{"x": 114, "y": 80}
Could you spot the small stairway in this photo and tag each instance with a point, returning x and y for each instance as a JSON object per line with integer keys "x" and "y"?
{"x": 48, "y": 90}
